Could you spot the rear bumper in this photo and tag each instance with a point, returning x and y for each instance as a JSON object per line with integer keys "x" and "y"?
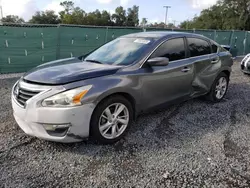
{"x": 33, "y": 119}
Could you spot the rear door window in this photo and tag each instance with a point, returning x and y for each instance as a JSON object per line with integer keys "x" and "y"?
{"x": 174, "y": 49}
{"x": 198, "y": 47}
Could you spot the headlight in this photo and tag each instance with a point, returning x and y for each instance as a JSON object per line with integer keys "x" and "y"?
{"x": 68, "y": 98}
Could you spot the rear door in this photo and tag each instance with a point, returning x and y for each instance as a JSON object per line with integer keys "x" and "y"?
{"x": 162, "y": 84}
{"x": 206, "y": 64}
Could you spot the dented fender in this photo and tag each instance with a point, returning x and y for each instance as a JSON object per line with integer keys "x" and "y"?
{"x": 207, "y": 71}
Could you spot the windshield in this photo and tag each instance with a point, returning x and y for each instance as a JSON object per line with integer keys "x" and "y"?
{"x": 121, "y": 51}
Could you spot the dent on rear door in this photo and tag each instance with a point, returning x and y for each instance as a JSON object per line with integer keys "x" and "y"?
{"x": 204, "y": 74}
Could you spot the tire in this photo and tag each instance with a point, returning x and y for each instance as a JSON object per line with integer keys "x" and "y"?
{"x": 211, "y": 96}
{"x": 100, "y": 119}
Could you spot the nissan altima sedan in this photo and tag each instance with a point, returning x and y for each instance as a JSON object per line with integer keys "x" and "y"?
{"x": 99, "y": 94}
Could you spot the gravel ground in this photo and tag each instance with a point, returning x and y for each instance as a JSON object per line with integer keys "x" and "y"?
{"x": 193, "y": 144}
{"x": 12, "y": 75}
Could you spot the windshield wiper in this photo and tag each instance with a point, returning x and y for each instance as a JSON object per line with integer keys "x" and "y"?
{"x": 93, "y": 61}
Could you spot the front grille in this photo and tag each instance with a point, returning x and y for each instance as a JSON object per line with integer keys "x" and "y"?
{"x": 22, "y": 95}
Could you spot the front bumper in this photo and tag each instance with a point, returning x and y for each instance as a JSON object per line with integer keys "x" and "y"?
{"x": 245, "y": 71}
{"x": 32, "y": 120}
{"x": 245, "y": 67}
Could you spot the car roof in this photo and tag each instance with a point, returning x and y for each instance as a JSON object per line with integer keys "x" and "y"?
{"x": 161, "y": 34}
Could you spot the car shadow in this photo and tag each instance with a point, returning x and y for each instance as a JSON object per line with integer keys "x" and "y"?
{"x": 172, "y": 127}
{"x": 179, "y": 134}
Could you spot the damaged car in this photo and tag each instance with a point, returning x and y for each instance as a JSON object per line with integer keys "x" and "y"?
{"x": 99, "y": 94}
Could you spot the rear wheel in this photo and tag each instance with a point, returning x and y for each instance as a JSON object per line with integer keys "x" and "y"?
{"x": 111, "y": 120}
{"x": 219, "y": 88}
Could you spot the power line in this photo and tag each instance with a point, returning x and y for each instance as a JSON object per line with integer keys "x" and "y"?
{"x": 166, "y": 16}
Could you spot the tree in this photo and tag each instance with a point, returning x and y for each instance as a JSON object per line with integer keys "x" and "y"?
{"x": 119, "y": 16}
{"x": 133, "y": 16}
{"x": 239, "y": 12}
{"x": 106, "y": 18}
{"x": 68, "y": 6}
{"x": 78, "y": 17}
{"x": 72, "y": 14}
{"x": 75, "y": 15}
{"x": 12, "y": 19}
{"x": 186, "y": 24}
{"x": 225, "y": 15}
{"x": 94, "y": 18}
{"x": 66, "y": 14}
{"x": 157, "y": 25}
{"x": 171, "y": 26}
{"x": 45, "y": 17}
{"x": 144, "y": 22}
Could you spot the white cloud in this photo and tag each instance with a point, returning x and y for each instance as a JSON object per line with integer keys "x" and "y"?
{"x": 104, "y": 1}
{"x": 201, "y": 4}
{"x": 122, "y": 2}
{"x": 23, "y": 8}
{"x": 157, "y": 20}
{"x": 111, "y": 11}
{"x": 170, "y": 20}
{"x": 54, "y": 5}
{"x": 26, "y": 8}
{"x": 153, "y": 20}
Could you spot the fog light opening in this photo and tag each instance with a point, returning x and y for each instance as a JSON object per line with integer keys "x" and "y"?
{"x": 59, "y": 130}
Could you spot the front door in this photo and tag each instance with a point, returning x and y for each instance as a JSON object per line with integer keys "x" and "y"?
{"x": 163, "y": 84}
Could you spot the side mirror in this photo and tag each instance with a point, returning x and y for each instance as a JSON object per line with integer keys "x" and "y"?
{"x": 158, "y": 61}
{"x": 82, "y": 57}
{"x": 227, "y": 47}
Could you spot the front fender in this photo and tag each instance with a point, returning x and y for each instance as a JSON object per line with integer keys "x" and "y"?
{"x": 105, "y": 86}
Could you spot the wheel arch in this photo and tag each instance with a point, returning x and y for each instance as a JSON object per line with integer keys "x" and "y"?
{"x": 126, "y": 95}
{"x": 227, "y": 72}
{"x": 93, "y": 129}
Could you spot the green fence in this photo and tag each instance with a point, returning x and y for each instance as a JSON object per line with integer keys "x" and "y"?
{"x": 23, "y": 47}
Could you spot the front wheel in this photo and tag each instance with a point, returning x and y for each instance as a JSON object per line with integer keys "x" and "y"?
{"x": 219, "y": 88}
{"x": 111, "y": 120}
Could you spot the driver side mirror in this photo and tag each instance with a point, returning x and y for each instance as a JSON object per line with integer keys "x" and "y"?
{"x": 158, "y": 61}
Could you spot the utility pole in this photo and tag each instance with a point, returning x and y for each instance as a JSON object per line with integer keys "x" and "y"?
{"x": 166, "y": 16}
{"x": 1, "y": 11}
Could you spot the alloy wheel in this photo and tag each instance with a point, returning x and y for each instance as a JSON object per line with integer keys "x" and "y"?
{"x": 114, "y": 121}
{"x": 221, "y": 88}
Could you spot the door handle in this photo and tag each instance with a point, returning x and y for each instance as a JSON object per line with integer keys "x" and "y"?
{"x": 215, "y": 60}
{"x": 185, "y": 69}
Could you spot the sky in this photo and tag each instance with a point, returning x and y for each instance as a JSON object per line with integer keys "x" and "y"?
{"x": 151, "y": 9}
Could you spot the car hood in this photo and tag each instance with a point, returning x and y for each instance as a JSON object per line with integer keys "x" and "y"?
{"x": 68, "y": 70}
